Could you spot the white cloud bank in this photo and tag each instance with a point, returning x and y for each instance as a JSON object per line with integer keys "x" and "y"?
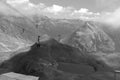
{"x": 17, "y": 1}
{"x": 57, "y": 11}
{"x": 85, "y": 13}
{"x": 54, "y": 9}
{"x": 111, "y": 18}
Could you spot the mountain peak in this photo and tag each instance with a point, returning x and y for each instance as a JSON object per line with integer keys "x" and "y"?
{"x": 91, "y": 38}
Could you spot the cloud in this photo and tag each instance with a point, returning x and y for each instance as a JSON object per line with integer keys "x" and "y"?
{"x": 84, "y": 14}
{"x": 82, "y": 10}
{"x": 54, "y": 9}
{"x": 110, "y": 12}
{"x": 25, "y": 6}
{"x": 28, "y": 8}
{"x": 111, "y": 18}
{"x": 17, "y": 1}
{"x": 6, "y": 10}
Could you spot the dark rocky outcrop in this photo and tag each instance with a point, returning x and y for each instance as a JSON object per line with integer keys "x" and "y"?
{"x": 43, "y": 60}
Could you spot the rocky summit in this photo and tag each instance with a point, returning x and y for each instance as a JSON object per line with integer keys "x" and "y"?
{"x": 44, "y": 58}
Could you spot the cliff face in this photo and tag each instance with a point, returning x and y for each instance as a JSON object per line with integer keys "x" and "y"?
{"x": 113, "y": 32}
{"x": 91, "y": 38}
{"x": 15, "y": 33}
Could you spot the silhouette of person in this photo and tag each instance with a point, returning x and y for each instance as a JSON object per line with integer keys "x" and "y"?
{"x": 38, "y": 41}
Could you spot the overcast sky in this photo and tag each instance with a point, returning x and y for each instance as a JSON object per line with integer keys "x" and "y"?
{"x": 99, "y": 10}
{"x": 92, "y": 5}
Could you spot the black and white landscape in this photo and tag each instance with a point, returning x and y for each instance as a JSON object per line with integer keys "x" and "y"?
{"x": 56, "y": 46}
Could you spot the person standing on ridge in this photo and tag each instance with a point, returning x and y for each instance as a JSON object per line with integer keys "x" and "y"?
{"x": 38, "y": 41}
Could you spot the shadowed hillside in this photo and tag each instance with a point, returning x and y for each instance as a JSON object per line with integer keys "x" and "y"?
{"x": 43, "y": 59}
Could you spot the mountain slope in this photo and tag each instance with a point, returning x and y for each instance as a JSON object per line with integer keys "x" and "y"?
{"x": 91, "y": 38}
{"x": 43, "y": 58}
{"x": 13, "y": 35}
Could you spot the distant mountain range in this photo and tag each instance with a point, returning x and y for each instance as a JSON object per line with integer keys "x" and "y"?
{"x": 71, "y": 40}
{"x": 19, "y": 31}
